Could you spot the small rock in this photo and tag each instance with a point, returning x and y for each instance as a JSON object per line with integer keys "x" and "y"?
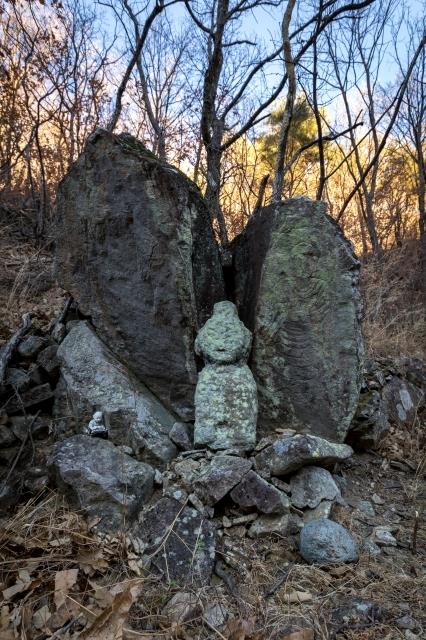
{"x": 281, "y": 485}
{"x": 370, "y": 547}
{"x": 183, "y": 606}
{"x": 409, "y": 635}
{"x": 158, "y": 478}
{"x": 30, "y": 346}
{"x": 377, "y": 499}
{"x": 188, "y": 471}
{"x": 219, "y": 477}
{"x": 180, "y": 435}
{"x": 30, "y": 398}
{"x": 292, "y": 452}
{"x": 216, "y": 615}
{"x": 59, "y": 332}
{"x": 384, "y": 537}
{"x": 407, "y": 622}
{"x": 128, "y": 451}
{"x": 196, "y": 502}
{"x": 323, "y": 510}
{"x": 356, "y": 612}
{"x": 370, "y": 422}
{"x": 20, "y": 427}
{"x": 270, "y": 525}
{"x": 311, "y": 485}
{"x": 18, "y": 379}
{"x": 48, "y": 361}
{"x": 326, "y": 542}
{"x": 249, "y": 517}
{"x": 254, "y": 492}
{"x": 366, "y": 508}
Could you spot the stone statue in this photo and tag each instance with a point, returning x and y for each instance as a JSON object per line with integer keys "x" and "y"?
{"x": 96, "y": 427}
{"x": 226, "y": 395}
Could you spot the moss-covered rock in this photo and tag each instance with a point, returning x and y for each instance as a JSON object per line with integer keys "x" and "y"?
{"x": 296, "y": 280}
{"x": 135, "y": 247}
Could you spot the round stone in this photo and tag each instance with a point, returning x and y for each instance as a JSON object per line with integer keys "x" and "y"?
{"x": 323, "y": 541}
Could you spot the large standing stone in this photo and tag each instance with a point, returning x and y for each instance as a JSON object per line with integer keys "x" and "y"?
{"x": 101, "y": 480}
{"x": 296, "y": 286}
{"x": 96, "y": 381}
{"x": 226, "y": 394}
{"x": 135, "y": 247}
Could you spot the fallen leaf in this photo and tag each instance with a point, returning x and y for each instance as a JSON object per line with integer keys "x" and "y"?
{"x": 298, "y": 596}
{"x": 109, "y": 624}
{"x": 240, "y": 630}
{"x": 64, "y": 580}
{"x": 41, "y": 617}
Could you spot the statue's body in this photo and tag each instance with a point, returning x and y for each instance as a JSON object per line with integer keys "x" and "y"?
{"x": 96, "y": 427}
{"x": 226, "y": 395}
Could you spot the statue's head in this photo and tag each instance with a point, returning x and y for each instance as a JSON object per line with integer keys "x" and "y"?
{"x": 223, "y": 339}
{"x": 97, "y": 417}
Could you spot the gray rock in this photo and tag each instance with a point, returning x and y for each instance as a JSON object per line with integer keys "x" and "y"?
{"x": 218, "y": 477}
{"x": 215, "y": 615}
{"x": 323, "y": 510}
{"x": 356, "y": 613}
{"x": 383, "y": 537}
{"x": 30, "y": 346}
{"x": 18, "y": 378}
{"x": 188, "y": 471}
{"x": 223, "y": 339}
{"x": 370, "y": 422}
{"x": 311, "y": 485}
{"x": 135, "y": 247}
{"x": 254, "y": 492}
{"x": 30, "y": 398}
{"x": 370, "y": 547}
{"x": 59, "y": 332}
{"x": 181, "y": 542}
{"x": 365, "y": 507}
{"x": 226, "y": 395}
{"x": 296, "y": 281}
{"x": 407, "y": 622}
{"x": 292, "y": 452}
{"x": 183, "y": 606}
{"x": 326, "y": 542}
{"x": 402, "y": 401}
{"x": 97, "y": 381}
{"x": 102, "y": 481}
{"x": 225, "y": 407}
{"x": 270, "y": 525}
{"x": 20, "y": 426}
{"x": 7, "y": 437}
{"x": 180, "y": 434}
{"x": 48, "y": 361}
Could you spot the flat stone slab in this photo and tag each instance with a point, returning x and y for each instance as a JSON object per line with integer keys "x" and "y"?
{"x": 254, "y": 492}
{"x": 101, "y": 480}
{"x": 180, "y": 542}
{"x": 290, "y": 453}
{"x": 219, "y": 477}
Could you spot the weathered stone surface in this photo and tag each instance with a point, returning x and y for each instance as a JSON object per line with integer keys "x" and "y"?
{"x": 311, "y": 485}
{"x": 402, "y": 401}
{"x": 136, "y": 248}
{"x": 180, "y": 542}
{"x": 219, "y": 477}
{"x": 48, "y": 361}
{"x": 223, "y": 339}
{"x": 181, "y": 435}
{"x": 254, "y": 492}
{"x": 326, "y": 542}
{"x": 102, "y": 481}
{"x": 296, "y": 281}
{"x": 97, "y": 381}
{"x": 181, "y": 607}
{"x": 293, "y": 452}
{"x": 225, "y": 407}
{"x": 226, "y": 394}
{"x": 370, "y": 422}
{"x": 30, "y": 346}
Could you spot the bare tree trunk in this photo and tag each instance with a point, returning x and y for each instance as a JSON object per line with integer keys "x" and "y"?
{"x": 278, "y": 183}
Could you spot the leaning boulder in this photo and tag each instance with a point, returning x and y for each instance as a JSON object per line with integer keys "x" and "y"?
{"x": 136, "y": 248}
{"x": 96, "y": 381}
{"x": 296, "y": 289}
{"x": 105, "y": 483}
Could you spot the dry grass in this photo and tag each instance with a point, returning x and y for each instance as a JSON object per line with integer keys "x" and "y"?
{"x": 394, "y": 310}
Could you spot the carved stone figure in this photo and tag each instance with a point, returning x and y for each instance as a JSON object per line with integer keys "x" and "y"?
{"x": 226, "y": 395}
{"x": 96, "y": 427}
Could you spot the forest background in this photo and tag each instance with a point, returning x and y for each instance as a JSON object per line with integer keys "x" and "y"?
{"x": 255, "y": 100}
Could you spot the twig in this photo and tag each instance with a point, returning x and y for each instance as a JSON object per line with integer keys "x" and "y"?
{"x": 415, "y": 531}
{"x": 13, "y": 343}
{"x": 21, "y": 448}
